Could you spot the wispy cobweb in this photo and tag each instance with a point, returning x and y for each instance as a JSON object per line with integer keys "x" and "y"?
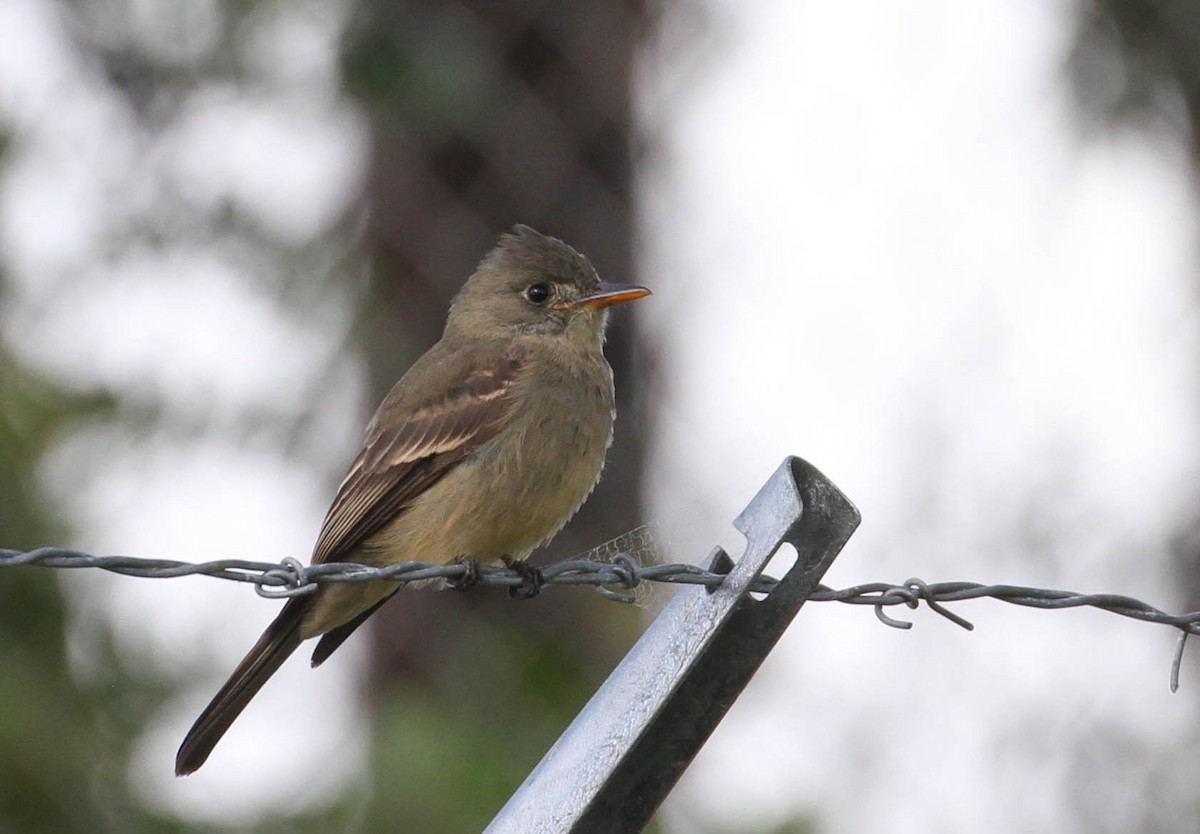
{"x": 645, "y": 545}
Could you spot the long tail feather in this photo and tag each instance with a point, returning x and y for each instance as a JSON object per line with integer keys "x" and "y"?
{"x": 274, "y": 647}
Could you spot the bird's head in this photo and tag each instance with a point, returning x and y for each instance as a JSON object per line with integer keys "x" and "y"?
{"x": 532, "y": 283}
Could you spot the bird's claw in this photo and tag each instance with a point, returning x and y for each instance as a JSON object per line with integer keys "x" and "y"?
{"x": 532, "y": 579}
{"x": 470, "y": 574}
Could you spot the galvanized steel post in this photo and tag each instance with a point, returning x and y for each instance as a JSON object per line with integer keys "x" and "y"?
{"x": 616, "y": 762}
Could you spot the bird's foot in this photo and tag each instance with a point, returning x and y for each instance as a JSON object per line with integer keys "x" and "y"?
{"x": 532, "y": 579}
{"x": 470, "y": 574}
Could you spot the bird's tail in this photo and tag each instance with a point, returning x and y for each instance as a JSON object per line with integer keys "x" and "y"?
{"x": 274, "y": 647}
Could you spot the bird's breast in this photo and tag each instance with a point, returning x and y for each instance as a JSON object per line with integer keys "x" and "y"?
{"x": 552, "y": 450}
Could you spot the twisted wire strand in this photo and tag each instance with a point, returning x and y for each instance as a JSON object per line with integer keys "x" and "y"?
{"x": 611, "y": 579}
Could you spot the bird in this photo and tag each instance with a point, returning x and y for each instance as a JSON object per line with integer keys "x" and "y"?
{"x": 484, "y": 449}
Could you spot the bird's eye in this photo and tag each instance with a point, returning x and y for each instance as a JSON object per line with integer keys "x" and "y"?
{"x": 537, "y": 293}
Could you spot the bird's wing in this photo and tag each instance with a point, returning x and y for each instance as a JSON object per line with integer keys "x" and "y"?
{"x": 406, "y": 454}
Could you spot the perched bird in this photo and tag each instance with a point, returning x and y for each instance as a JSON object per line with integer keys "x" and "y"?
{"x": 482, "y": 451}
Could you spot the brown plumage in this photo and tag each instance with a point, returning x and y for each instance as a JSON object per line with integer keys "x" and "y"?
{"x": 484, "y": 449}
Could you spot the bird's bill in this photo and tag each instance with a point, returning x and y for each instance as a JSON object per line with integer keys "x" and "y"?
{"x": 610, "y": 294}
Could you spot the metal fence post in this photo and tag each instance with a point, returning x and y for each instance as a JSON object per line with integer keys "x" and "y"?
{"x": 615, "y": 763}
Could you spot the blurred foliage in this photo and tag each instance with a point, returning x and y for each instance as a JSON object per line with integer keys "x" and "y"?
{"x": 482, "y": 115}
{"x": 71, "y": 715}
{"x": 64, "y": 738}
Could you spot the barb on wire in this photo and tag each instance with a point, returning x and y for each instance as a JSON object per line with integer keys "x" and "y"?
{"x": 609, "y": 578}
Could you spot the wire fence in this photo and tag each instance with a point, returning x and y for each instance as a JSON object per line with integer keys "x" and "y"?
{"x": 614, "y": 579}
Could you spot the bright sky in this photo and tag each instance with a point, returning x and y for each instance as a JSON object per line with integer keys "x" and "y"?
{"x": 876, "y": 240}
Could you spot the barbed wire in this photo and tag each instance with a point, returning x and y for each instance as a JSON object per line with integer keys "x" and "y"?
{"x": 290, "y": 578}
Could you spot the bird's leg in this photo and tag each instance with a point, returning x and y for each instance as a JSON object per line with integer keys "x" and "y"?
{"x": 470, "y": 574}
{"x": 531, "y": 578}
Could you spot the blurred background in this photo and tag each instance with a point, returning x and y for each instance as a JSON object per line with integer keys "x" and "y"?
{"x": 945, "y": 251}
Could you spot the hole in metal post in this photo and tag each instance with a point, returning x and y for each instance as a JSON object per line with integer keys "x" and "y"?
{"x": 777, "y": 568}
